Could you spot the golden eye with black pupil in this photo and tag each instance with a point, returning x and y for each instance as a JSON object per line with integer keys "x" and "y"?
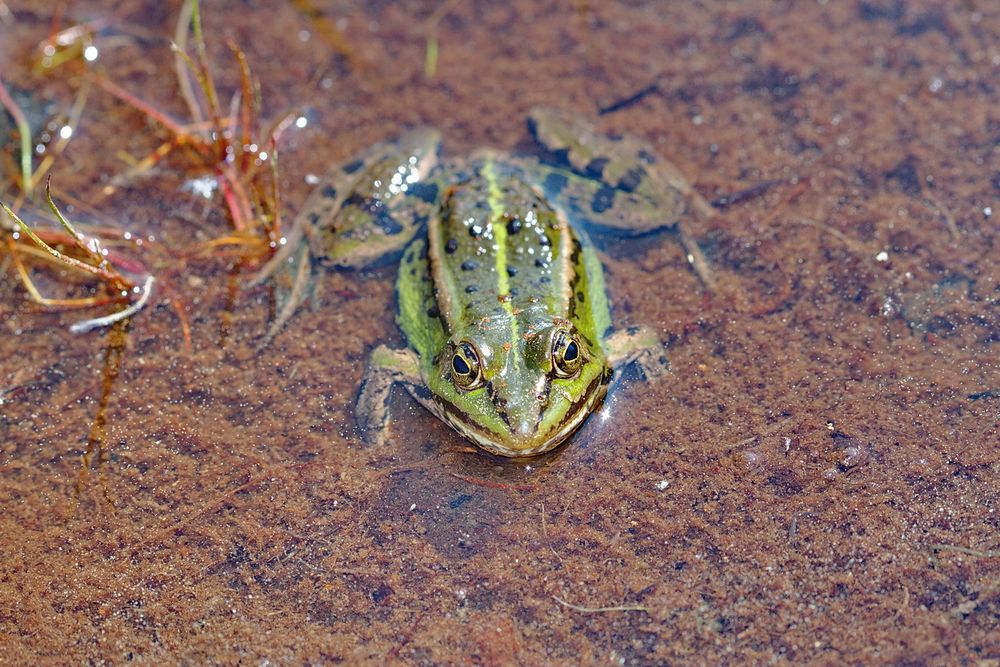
{"x": 466, "y": 371}
{"x": 567, "y": 358}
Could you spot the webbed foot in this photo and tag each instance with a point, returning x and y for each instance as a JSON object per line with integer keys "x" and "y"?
{"x": 640, "y": 346}
{"x": 618, "y": 184}
{"x": 386, "y": 367}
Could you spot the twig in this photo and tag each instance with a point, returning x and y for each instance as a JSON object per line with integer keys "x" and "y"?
{"x": 87, "y": 325}
{"x": 965, "y": 550}
{"x": 295, "y": 235}
{"x": 35, "y": 294}
{"x": 598, "y": 610}
{"x": 852, "y": 245}
{"x": 628, "y": 101}
{"x": 210, "y": 505}
{"x": 330, "y": 33}
{"x": 940, "y": 209}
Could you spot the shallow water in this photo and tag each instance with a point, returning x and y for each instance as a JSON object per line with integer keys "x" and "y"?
{"x": 815, "y": 479}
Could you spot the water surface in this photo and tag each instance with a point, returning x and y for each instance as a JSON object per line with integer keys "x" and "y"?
{"x": 815, "y": 479}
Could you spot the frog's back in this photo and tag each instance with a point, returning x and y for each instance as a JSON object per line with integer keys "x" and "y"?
{"x": 504, "y": 258}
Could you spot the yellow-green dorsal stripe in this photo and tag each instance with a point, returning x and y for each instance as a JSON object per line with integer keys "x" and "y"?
{"x": 497, "y": 212}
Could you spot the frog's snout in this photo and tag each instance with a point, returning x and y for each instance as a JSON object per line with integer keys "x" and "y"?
{"x": 525, "y": 428}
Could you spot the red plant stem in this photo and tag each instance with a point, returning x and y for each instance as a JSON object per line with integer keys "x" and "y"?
{"x": 139, "y": 104}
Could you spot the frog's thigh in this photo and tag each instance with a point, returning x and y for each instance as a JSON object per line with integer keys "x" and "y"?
{"x": 638, "y": 345}
{"x": 372, "y": 207}
{"x": 386, "y": 367}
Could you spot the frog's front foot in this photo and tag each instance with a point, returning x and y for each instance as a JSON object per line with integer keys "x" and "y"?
{"x": 640, "y": 346}
{"x": 386, "y": 367}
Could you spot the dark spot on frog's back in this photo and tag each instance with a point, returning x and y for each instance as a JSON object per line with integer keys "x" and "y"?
{"x": 595, "y": 168}
{"x": 560, "y": 157}
{"x": 376, "y": 208}
{"x": 631, "y": 180}
{"x": 603, "y": 199}
{"x": 470, "y": 265}
{"x": 513, "y": 225}
{"x": 554, "y": 183}
{"x": 451, "y": 246}
{"x": 426, "y": 192}
{"x": 471, "y": 289}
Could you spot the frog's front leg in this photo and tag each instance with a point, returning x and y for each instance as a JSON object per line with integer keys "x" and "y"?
{"x": 640, "y": 346}
{"x": 386, "y": 367}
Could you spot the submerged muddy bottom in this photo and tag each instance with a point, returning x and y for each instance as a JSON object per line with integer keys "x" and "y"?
{"x": 814, "y": 480}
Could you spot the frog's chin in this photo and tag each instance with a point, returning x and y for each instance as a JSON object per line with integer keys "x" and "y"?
{"x": 514, "y": 446}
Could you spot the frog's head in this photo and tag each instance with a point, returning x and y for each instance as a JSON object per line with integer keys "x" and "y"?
{"x": 520, "y": 395}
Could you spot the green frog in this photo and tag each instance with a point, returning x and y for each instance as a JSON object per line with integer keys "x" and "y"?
{"x": 501, "y": 295}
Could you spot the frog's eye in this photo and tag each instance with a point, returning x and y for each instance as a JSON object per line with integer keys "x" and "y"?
{"x": 567, "y": 357}
{"x": 466, "y": 370}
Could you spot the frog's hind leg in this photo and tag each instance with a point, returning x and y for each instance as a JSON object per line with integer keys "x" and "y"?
{"x": 640, "y": 346}
{"x": 374, "y": 206}
{"x": 386, "y": 367}
{"x": 620, "y": 185}
{"x": 360, "y": 212}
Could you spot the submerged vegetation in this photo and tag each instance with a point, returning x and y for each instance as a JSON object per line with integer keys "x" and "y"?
{"x": 230, "y": 142}
{"x": 236, "y": 147}
{"x": 81, "y": 254}
{"x": 103, "y": 268}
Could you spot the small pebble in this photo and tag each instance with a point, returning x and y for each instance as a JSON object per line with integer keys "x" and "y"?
{"x": 748, "y": 461}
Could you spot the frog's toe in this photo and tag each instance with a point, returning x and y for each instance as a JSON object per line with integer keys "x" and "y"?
{"x": 652, "y": 363}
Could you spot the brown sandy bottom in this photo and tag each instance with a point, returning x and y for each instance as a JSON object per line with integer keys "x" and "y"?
{"x": 815, "y": 480}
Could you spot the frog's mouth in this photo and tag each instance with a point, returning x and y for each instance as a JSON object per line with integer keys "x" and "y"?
{"x": 515, "y": 447}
